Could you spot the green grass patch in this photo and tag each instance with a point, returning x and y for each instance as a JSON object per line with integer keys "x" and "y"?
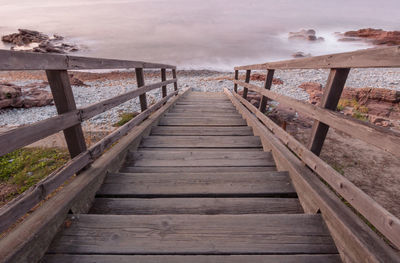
{"x": 27, "y": 166}
{"x": 125, "y": 117}
{"x": 360, "y": 116}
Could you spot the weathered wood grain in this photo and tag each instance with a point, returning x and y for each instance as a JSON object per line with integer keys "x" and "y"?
{"x": 388, "y": 140}
{"x": 65, "y": 102}
{"x": 386, "y": 57}
{"x": 236, "y": 77}
{"x": 208, "y": 121}
{"x": 63, "y": 258}
{"x": 140, "y": 83}
{"x": 174, "y": 76}
{"x": 196, "y": 169}
{"x": 201, "y": 158}
{"x": 205, "y": 206}
{"x": 163, "y": 78}
{"x": 247, "y": 80}
{"x": 330, "y": 99}
{"x": 267, "y": 85}
{"x": 15, "y": 60}
{"x": 197, "y": 184}
{"x": 200, "y": 114}
{"x": 22, "y": 136}
{"x": 382, "y": 219}
{"x": 195, "y": 234}
{"x": 205, "y": 131}
{"x": 202, "y": 141}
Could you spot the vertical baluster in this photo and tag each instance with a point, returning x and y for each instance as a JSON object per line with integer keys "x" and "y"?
{"x": 140, "y": 83}
{"x": 164, "y": 78}
{"x": 267, "y": 85}
{"x": 236, "y": 78}
{"x": 247, "y": 80}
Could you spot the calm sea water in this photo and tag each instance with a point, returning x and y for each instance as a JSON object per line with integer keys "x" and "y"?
{"x": 214, "y": 34}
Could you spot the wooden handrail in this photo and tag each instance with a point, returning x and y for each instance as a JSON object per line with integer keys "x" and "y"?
{"x": 16, "y": 208}
{"x": 369, "y": 58}
{"x": 382, "y": 138}
{"x": 22, "y": 136}
{"x": 17, "y": 60}
{"x": 383, "y": 220}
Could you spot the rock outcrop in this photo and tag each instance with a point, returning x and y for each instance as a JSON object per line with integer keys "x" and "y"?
{"x": 308, "y": 35}
{"x": 301, "y": 55}
{"x": 35, "y": 41}
{"x": 376, "y": 36}
{"x": 28, "y": 96}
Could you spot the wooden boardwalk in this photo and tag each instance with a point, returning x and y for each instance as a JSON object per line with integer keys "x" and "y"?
{"x": 198, "y": 189}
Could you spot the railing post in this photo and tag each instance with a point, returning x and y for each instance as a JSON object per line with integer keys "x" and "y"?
{"x": 174, "y": 76}
{"x": 247, "y": 80}
{"x": 140, "y": 83}
{"x": 164, "y": 78}
{"x": 236, "y": 78}
{"x": 267, "y": 85}
{"x": 65, "y": 102}
{"x": 330, "y": 99}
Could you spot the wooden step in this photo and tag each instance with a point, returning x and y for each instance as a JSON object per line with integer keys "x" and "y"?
{"x": 202, "y": 130}
{"x": 194, "y": 234}
{"x": 194, "y": 169}
{"x": 63, "y": 258}
{"x": 206, "y": 103}
{"x": 200, "y": 158}
{"x": 198, "y": 184}
{"x": 215, "y": 107}
{"x": 203, "y": 114}
{"x": 202, "y": 141}
{"x": 202, "y": 121}
{"x": 206, "y": 206}
{"x": 202, "y": 109}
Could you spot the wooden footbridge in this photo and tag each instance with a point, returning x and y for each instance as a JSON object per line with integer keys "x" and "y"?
{"x": 197, "y": 177}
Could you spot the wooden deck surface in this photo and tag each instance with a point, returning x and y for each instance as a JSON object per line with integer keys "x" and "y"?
{"x": 198, "y": 189}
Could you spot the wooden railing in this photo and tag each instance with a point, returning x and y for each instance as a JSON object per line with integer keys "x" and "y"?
{"x": 325, "y": 116}
{"x": 69, "y": 118}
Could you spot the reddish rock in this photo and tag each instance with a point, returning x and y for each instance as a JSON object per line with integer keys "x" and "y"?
{"x": 314, "y": 90}
{"x": 76, "y": 82}
{"x": 377, "y": 36}
{"x": 32, "y": 95}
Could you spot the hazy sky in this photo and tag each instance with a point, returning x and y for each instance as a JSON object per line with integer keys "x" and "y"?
{"x": 214, "y": 33}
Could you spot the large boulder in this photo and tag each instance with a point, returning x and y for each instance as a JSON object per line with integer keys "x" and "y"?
{"x": 308, "y": 35}
{"x": 32, "y": 95}
{"x": 376, "y": 36}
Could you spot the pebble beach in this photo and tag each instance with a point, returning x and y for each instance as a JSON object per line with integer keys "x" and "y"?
{"x": 199, "y": 80}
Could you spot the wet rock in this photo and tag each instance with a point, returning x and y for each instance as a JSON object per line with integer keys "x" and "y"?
{"x": 314, "y": 90}
{"x": 32, "y": 95}
{"x": 35, "y": 41}
{"x": 308, "y": 35}
{"x": 301, "y": 55}
{"x": 77, "y": 82}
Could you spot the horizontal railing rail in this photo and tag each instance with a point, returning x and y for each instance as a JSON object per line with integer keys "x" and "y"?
{"x": 325, "y": 116}
{"x": 69, "y": 118}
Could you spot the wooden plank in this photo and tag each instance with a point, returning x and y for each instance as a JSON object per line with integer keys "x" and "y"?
{"x": 363, "y": 203}
{"x": 15, "y": 60}
{"x": 247, "y": 80}
{"x": 64, "y": 258}
{"x": 205, "y": 103}
{"x": 198, "y": 114}
{"x": 65, "y": 102}
{"x": 386, "y": 57}
{"x": 267, "y": 85}
{"x": 204, "y": 110}
{"x": 206, "y": 131}
{"x": 217, "y": 106}
{"x": 330, "y": 99}
{"x": 388, "y": 139}
{"x": 29, "y": 240}
{"x": 140, "y": 83}
{"x": 202, "y": 141}
{"x": 174, "y": 76}
{"x": 204, "y": 206}
{"x": 97, "y": 108}
{"x": 189, "y": 158}
{"x": 194, "y": 234}
{"x": 172, "y": 121}
{"x": 355, "y": 240}
{"x": 196, "y": 149}
{"x": 97, "y": 149}
{"x": 164, "y": 78}
{"x": 22, "y": 136}
{"x": 196, "y": 169}
{"x": 197, "y": 184}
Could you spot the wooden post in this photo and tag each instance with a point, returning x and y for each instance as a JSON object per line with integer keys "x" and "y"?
{"x": 140, "y": 83}
{"x": 267, "y": 85}
{"x": 65, "y": 102}
{"x": 330, "y": 99}
{"x": 245, "y": 90}
{"x": 236, "y": 78}
{"x": 164, "y": 78}
{"x": 174, "y": 76}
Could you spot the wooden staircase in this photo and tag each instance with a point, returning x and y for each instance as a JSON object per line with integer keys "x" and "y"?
{"x": 200, "y": 188}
